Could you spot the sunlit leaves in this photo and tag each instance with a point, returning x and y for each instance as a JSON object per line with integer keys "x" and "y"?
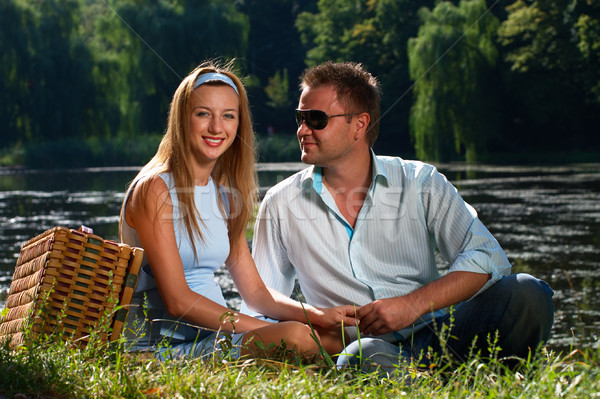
{"x": 450, "y": 61}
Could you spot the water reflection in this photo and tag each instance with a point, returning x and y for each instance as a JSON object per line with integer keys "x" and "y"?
{"x": 549, "y": 226}
{"x": 546, "y": 219}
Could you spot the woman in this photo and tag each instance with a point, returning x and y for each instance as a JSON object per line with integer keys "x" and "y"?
{"x": 188, "y": 208}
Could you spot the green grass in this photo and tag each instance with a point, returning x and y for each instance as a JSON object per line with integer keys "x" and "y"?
{"x": 57, "y": 367}
{"x": 52, "y": 368}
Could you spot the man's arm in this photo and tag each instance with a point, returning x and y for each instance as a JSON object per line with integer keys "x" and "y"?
{"x": 394, "y": 314}
{"x": 462, "y": 239}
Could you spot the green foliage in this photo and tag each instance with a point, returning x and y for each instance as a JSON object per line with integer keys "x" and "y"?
{"x": 92, "y": 152}
{"x": 332, "y": 30}
{"x": 588, "y": 31}
{"x": 278, "y": 148}
{"x": 87, "y": 69}
{"x": 279, "y": 101}
{"x": 451, "y": 62}
{"x": 14, "y": 59}
{"x": 274, "y": 47}
{"x": 551, "y": 48}
{"x": 159, "y": 42}
{"x": 278, "y": 91}
{"x": 523, "y": 23}
{"x": 104, "y": 69}
{"x": 46, "y": 74}
{"x": 375, "y": 33}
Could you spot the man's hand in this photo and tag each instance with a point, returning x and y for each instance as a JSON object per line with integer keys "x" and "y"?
{"x": 386, "y": 315}
{"x": 393, "y": 314}
{"x": 334, "y": 316}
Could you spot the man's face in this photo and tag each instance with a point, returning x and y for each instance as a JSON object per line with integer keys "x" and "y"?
{"x": 323, "y": 147}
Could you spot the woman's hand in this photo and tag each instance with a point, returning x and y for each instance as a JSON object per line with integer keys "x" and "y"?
{"x": 333, "y": 317}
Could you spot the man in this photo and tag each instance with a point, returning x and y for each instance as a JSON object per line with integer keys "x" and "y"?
{"x": 361, "y": 229}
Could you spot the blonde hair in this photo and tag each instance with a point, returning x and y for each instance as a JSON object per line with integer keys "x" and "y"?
{"x": 234, "y": 170}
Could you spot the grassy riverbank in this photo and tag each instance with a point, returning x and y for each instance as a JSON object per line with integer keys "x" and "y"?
{"x": 53, "y": 369}
{"x": 93, "y": 152}
{"x": 122, "y": 151}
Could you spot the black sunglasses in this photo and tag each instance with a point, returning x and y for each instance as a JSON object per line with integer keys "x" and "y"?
{"x": 314, "y": 118}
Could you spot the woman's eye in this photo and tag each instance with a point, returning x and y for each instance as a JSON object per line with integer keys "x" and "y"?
{"x": 229, "y": 116}
{"x": 202, "y": 113}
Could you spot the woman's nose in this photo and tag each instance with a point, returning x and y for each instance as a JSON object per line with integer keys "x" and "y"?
{"x": 215, "y": 125}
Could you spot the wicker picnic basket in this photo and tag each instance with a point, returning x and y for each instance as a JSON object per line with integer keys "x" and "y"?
{"x": 70, "y": 281}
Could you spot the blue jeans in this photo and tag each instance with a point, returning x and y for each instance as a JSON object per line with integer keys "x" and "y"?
{"x": 518, "y": 307}
{"x": 204, "y": 348}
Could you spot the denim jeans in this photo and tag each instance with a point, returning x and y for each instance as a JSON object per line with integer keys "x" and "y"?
{"x": 519, "y": 307}
{"x": 203, "y": 348}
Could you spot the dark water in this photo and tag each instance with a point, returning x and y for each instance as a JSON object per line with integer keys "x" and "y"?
{"x": 547, "y": 220}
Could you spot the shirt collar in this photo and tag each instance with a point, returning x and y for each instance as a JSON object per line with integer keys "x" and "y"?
{"x": 313, "y": 176}
{"x": 317, "y": 179}
{"x": 379, "y": 169}
{"x": 310, "y": 176}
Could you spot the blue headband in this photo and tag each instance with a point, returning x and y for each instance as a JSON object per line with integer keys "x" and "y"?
{"x": 215, "y": 77}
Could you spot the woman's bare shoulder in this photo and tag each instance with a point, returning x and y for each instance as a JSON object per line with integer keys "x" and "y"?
{"x": 148, "y": 192}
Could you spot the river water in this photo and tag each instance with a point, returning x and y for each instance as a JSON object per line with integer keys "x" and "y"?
{"x": 546, "y": 218}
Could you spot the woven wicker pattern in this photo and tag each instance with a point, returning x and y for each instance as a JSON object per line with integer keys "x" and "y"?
{"x": 72, "y": 280}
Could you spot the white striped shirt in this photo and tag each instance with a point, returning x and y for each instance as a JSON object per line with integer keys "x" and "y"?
{"x": 410, "y": 208}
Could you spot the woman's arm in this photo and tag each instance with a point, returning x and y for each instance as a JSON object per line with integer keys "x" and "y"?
{"x": 274, "y": 304}
{"x": 152, "y": 216}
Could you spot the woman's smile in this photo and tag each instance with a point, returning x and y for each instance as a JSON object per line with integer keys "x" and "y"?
{"x": 213, "y": 141}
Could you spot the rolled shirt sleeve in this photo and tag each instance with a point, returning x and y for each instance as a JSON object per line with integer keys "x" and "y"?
{"x": 462, "y": 239}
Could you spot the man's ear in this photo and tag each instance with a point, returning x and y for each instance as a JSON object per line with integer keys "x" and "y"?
{"x": 362, "y": 123}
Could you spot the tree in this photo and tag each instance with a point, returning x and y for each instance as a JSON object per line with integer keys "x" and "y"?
{"x": 278, "y": 91}
{"x": 274, "y": 60}
{"x": 47, "y": 73}
{"x": 452, "y": 62}
{"x": 14, "y": 61}
{"x": 588, "y": 33}
{"x": 154, "y": 44}
{"x": 61, "y": 91}
{"x": 551, "y": 48}
{"x": 375, "y": 33}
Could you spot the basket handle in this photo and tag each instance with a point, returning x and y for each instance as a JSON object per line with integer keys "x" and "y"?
{"x": 86, "y": 230}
